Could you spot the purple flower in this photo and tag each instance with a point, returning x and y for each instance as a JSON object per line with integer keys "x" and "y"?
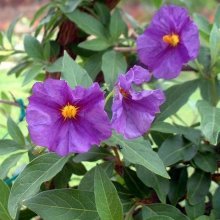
{"x": 65, "y": 120}
{"x": 171, "y": 40}
{"x": 133, "y": 112}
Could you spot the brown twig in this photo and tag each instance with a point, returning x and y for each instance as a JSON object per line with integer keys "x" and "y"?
{"x": 9, "y": 103}
{"x": 125, "y": 49}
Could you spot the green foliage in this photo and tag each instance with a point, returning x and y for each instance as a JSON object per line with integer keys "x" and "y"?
{"x": 170, "y": 173}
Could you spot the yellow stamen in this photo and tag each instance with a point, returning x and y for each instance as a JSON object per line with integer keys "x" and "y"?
{"x": 69, "y": 111}
{"x": 172, "y": 39}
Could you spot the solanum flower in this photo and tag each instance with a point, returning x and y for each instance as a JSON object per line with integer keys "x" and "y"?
{"x": 134, "y": 111}
{"x": 65, "y": 120}
{"x": 171, "y": 40}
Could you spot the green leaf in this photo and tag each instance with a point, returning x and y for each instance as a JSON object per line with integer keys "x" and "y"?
{"x": 107, "y": 201}
{"x": 174, "y": 150}
{"x": 189, "y": 133}
{"x": 73, "y": 73}
{"x": 217, "y": 16}
{"x": 167, "y": 210}
{"x": 177, "y": 184}
{"x": 56, "y": 66}
{"x": 194, "y": 211}
{"x": 15, "y": 132}
{"x": 139, "y": 152}
{"x": 214, "y": 41}
{"x": 147, "y": 213}
{"x": 216, "y": 203}
{"x": 87, "y": 23}
{"x": 136, "y": 187}
{"x": 94, "y": 154}
{"x": 158, "y": 183}
{"x": 202, "y": 23}
{"x": 33, "y": 48}
{"x": 113, "y": 64}
{"x": 176, "y": 97}
{"x": 9, "y": 146}
{"x": 8, "y": 163}
{"x": 11, "y": 28}
{"x": 117, "y": 25}
{"x": 157, "y": 3}
{"x": 87, "y": 182}
{"x": 39, "y": 12}
{"x": 95, "y": 44}
{"x": 93, "y": 65}
{"x": 159, "y": 217}
{"x": 65, "y": 204}
{"x": 198, "y": 186}
{"x": 210, "y": 117}
{"x": 206, "y": 162}
{"x": 1, "y": 39}
{"x": 31, "y": 73}
{"x": 4, "y": 192}
{"x": 103, "y": 12}
{"x": 39, "y": 170}
{"x": 69, "y": 6}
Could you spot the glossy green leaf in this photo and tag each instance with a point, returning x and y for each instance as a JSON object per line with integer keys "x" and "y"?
{"x": 198, "y": 186}
{"x": 210, "y": 117}
{"x": 11, "y": 28}
{"x": 117, "y": 25}
{"x": 206, "y": 162}
{"x": 15, "y": 132}
{"x": 31, "y": 73}
{"x": 69, "y": 6}
{"x": 93, "y": 65}
{"x": 139, "y": 152}
{"x": 9, "y": 146}
{"x": 217, "y": 17}
{"x": 202, "y": 23}
{"x": 65, "y": 204}
{"x": 39, "y": 170}
{"x": 189, "y": 133}
{"x": 33, "y": 48}
{"x": 167, "y": 210}
{"x": 95, "y": 44}
{"x": 174, "y": 149}
{"x": 107, "y": 200}
{"x": 177, "y": 185}
{"x": 176, "y": 97}
{"x": 87, "y": 23}
{"x": 56, "y": 66}
{"x": 113, "y": 64}
{"x": 158, "y": 183}
{"x": 94, "y": 154}
{"x": 194, "y": 211}
{"x": 73, "y": 73}
{"x": 87, "y": 182}
{"x": 9, "y": 163}
{"x": 216, "y": 203}
{"x": 214, "y": 43}
{"x": 160, "y": 217}
{"x": 102, "y": 12}
{"x": 4, "y": 192}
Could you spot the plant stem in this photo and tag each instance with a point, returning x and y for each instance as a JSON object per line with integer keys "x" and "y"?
{"x": 9, "y": 103}
{"x": 129, "y": 214}
{"x": 109, "y": 96}
{"x": 214, "y": 91}
{"x": 125, "y": 49}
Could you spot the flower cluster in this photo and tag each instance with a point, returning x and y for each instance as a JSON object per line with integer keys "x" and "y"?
{"x": 69, "y": 120}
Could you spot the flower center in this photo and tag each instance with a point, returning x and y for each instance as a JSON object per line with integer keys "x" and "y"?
{"x": 172, "y": 39}
{"x": 124, "y": 93}
{"x": 69, "y": 111}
